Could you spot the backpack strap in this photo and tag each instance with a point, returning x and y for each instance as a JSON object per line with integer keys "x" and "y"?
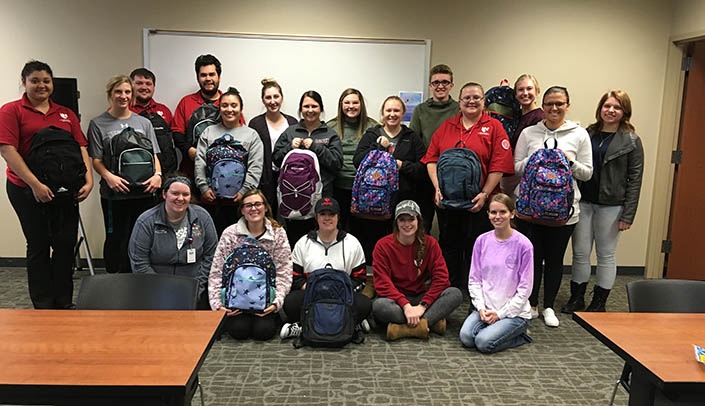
{"x": 555, "y": 143}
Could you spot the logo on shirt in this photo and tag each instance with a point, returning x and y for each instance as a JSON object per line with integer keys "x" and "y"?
{"x": 196, "y": 230}
{"x": 63, "y": 115}
{"x": 124, "y": 125}
{"x": 485, "y": 130}
{"x": 161, "y": 113}
{"x": 505, "y": 144}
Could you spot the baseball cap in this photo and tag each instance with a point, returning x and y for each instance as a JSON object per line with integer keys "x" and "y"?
{"x": 407, "y": 207}
{"x": 327, "y": 204}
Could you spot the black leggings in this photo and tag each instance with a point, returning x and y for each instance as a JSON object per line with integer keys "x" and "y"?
{"x": 247, "y": 325}
{"x": 550, "y": 244}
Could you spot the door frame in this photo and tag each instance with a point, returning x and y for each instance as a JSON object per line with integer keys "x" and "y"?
{"x": 669, "y": 128}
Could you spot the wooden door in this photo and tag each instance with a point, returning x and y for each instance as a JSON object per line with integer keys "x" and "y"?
{"x": 687, "y": 221}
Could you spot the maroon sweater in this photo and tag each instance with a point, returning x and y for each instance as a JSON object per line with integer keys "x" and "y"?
{"x": 396, "y": 276}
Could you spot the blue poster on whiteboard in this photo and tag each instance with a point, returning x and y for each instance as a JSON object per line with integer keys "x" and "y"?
{"x": 411, "y": 100}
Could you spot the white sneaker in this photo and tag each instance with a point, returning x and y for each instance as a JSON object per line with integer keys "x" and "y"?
{"x": 365, "y": 326}
{"x": 534, "y": 313}
{"x": 549, "y": 317}
{"x": 290, "y": 330}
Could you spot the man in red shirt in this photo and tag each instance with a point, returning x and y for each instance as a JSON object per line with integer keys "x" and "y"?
{"x": 158, "y": 114}
{"x": 208, "y": 71}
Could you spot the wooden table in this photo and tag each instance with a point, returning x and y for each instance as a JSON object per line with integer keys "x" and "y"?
{"x": 101, "y": 357}
{"x": 658, "y": 346}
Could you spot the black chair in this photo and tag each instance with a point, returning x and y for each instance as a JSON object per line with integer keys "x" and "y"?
{"x": 129, "y": 291}
{"x": 661, "y": 296}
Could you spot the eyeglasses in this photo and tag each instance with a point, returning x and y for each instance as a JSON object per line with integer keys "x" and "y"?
{"x": 444, "y": 83}
{"x": 256, "y": 205}
{"x": 557, "y": 105}
{"x": 468, "y": 99}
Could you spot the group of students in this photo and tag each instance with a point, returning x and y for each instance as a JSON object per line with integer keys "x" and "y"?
{"x": 419, "y": 280}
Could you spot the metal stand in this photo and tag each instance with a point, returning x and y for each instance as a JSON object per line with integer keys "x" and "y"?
{"x": 86, "y": 249}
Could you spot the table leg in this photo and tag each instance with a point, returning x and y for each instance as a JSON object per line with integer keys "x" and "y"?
{"x": 642, "y": 391}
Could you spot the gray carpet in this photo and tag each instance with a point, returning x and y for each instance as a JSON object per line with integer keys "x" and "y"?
{"x": 563, "y": 366}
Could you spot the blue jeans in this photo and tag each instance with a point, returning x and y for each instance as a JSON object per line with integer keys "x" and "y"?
{"x": 598, "y": 223}
{"x": 496, "y": 337}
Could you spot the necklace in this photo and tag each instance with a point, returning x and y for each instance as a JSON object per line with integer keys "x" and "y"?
{"x": 604, "y": 138}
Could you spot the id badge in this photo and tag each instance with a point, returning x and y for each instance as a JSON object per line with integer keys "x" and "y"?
{"x": 191, "y": 255}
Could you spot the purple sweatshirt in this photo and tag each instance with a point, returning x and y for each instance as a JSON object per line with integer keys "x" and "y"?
{"x": 501, "y": 275}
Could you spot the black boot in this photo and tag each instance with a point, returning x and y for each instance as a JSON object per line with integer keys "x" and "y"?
{"x": 599, "y": 298}
{"x": 576, "y": 302}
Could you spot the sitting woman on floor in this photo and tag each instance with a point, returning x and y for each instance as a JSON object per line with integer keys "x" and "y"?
{"x": 500, "y": 282}
{"x": 411, "y": 279}
{"x": 326, "y": 245}
{"x": 256, "y": 222}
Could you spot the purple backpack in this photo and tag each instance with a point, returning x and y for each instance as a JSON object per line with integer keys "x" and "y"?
{"x": 546, "y": 188}
{"x": 300, "y": 185}
{"x": 376, "y": 182}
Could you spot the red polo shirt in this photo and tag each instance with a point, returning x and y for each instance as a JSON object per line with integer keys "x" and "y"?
{"x": 19, "y": 121}
{"x": 155, "y": 108}
{"x": 486, "y": 138}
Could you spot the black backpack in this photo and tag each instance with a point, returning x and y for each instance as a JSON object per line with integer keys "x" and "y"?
{"x": 203, "y": 117}
{"x": 165, "y": 139}
{"x": 132, "y": 157}
{"x": 55, "y": 159}
{"x": 502, "y": 104}
{"x": 327, "y": 315}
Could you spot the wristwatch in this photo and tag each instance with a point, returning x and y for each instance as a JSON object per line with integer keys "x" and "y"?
{"x": 424, "y": 304}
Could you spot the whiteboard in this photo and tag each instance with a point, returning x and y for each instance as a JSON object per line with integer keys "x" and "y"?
{"x": 377, "y": 67}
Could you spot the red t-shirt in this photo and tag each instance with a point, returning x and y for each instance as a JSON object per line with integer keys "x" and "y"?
{"x": 486, "y": 138}
{"x": 156, "y": 108}
{"x": 19, "y": 121}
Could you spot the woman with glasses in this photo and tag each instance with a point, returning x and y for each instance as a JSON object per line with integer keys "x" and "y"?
{"x": 221, "y": 209}
{"x": 175, "y": 238}
{"x": 473, "y": 129}
{"x": 350, "y": 124}
{"x": 609, "y": 199}
{"x": 256, "y": 222}
{"x": 551, "y": 242}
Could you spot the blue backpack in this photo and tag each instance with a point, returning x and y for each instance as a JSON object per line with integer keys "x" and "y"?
{"x": 376, "y": 182}
{"x": 546, "y": 188}
{"x": 249, "y": 278}
{"x": 226, "y": 166}
{"x": 327, "y": 315}
{"x": 459, "y": 175}
{"x": 502, "y": 104}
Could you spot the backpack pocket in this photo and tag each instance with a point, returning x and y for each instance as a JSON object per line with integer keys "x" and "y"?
{"x": 227, "y": 177}
{"x": 328, "y": 317}
{"x": 248, "y": 289}
{"x": 136, "y": 165}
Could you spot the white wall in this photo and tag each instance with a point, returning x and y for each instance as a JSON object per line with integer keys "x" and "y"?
{"x": 588, "y": 46}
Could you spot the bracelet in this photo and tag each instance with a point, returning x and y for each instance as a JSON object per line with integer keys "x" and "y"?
{"x": 160, "y": 174}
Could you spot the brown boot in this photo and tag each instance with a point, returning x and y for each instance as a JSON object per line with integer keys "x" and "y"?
{"x": 439, "y": 327}
{"x": 397, "y": 331}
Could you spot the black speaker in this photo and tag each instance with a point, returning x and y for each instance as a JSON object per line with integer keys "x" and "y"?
{"x": 66, "y": 93}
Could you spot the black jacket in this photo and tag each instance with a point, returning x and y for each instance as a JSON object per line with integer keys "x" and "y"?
{"x": 621, "y": 174}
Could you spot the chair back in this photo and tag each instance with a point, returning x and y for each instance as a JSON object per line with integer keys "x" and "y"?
{"x": 129, "y": 291}
{"x": 666, "y": 296}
